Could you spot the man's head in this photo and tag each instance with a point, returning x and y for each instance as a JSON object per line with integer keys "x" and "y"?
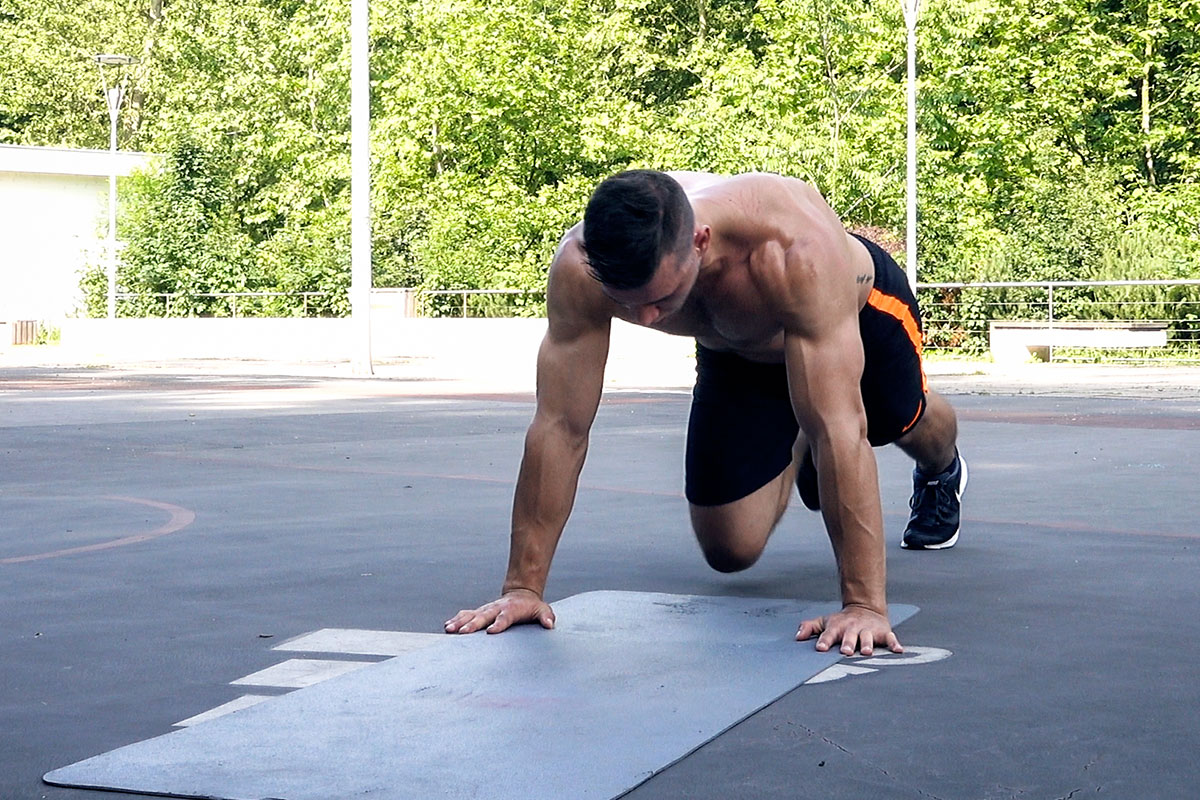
{"x": 634, "y": 220}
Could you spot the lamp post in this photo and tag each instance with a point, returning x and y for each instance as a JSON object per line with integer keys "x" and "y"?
{"x": 360, "y": 185}
{"x": 912, "y": 8}
{"x": 113, "y": 96}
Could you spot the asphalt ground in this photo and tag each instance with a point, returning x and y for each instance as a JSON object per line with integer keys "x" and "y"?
{"x": 162, "y": 530}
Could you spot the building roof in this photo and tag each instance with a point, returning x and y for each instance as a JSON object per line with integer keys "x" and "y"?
{"x": 63, "y": 161}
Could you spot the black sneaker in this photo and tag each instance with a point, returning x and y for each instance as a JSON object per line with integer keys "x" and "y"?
{"x": 806, "y": 482}
{"x": 936, "y": 503}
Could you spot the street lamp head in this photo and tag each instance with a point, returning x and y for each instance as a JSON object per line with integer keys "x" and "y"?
{"x": 113, "y": 60}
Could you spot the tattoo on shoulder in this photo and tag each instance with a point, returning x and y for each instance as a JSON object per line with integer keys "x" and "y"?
{"x": 864, "y": 278}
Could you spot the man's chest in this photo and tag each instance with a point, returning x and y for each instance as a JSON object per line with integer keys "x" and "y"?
{"x": 729, "y": 314}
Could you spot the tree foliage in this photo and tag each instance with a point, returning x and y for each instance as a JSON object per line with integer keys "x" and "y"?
{"x": 1056, "y": 138}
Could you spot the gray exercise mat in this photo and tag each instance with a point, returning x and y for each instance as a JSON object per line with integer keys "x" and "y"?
{"x": 627, "y": 684}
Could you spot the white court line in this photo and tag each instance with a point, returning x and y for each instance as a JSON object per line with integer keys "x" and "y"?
{"x": 836, "y": 672}
{"x": 910, "y": 657}
{"x": 245, "y": 701}
{"x": 297, "y": 673}
{"x": 361, "y": 642}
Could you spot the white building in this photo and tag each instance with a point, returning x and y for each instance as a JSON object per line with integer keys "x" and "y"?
{"x": 53, "y": 223}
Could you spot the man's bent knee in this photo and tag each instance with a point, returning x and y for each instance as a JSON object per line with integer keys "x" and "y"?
{"x": 732, "y": 537}
{"x": 726, "y": 558}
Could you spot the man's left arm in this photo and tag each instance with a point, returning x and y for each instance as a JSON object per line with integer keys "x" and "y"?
{"x": 824, "y": 356}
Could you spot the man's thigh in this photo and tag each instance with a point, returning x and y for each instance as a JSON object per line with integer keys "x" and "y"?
{"x": 893, "y": 381}
{"x": 741, "y": 430}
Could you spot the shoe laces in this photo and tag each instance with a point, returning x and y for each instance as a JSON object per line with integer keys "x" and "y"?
{"x": 933, "y": 498}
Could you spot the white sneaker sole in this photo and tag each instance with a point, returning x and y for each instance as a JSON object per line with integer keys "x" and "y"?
{"x": 953, "y": 540}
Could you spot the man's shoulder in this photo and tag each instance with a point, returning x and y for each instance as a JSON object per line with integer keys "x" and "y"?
{"x": 572, "y": 293}
{"x": 570, "y": 260}
{"x": 799, "y": 247}
{"x": 781, "y": 214}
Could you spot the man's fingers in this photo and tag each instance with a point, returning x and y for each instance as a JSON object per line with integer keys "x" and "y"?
{"x": 467, "y": 621}
{"x": 458, "y": 620}
{"x": 499, "y": 616}
{"x": 851, "y": 630}
{"x": 501, "y": 623}
{"x": 810, "y": 628}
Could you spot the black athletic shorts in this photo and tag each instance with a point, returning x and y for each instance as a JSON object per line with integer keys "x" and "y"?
{"x": 742, "y": 427}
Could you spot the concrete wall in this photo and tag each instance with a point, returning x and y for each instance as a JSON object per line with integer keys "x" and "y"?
{"x": 53, "y": 206}
{"x": 502, "y": 351}
{"x": 48, "y": 230}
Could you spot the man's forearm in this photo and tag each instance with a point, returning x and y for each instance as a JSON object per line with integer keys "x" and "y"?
{"x": 545, "y": 494}
{"x": 849, "y": 485}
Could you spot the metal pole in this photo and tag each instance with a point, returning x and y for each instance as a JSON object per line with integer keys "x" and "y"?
{"x": 113, "y": 98}
{"x": 911, "y": 9}
{"x": 114, "y": 109}
{"x": 360, "y": 185}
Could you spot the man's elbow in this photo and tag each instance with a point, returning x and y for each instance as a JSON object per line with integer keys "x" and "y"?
{"x": 846, "y": 432}
{"x": 559, "y": 429}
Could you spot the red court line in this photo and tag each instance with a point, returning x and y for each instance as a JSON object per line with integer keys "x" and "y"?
{"x": 1074, "y": 527}
{"x": 74, "y": 384}
{"x": 1168, "y": 422}
{"x": 180, "y": 518}
{"x": 1067, "y": 526}
{"x": 401, "y": 473}
{"x": 609, "y": 398}
{"x": 1082, "y": 527}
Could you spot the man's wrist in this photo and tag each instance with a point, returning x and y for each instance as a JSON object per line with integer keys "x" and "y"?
{"x": 874, "y": 608}
{"x": 512, "y": 588}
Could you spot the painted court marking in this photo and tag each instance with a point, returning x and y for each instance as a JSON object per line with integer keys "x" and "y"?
{"x": 360, "y": 642}
{"x": 237, "y": 704}
{"x": 859, "y": 665}
{"x": 297, "y": 673}
{"x": 180, "y": 519}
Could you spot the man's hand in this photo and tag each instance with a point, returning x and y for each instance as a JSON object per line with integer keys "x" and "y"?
{"x": 514, "y": 608}
{"x": 857, "y": 628}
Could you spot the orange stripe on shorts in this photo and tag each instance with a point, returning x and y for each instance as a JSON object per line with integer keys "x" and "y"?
{"x": 920, "y": 407}
{"x": 898, "y": 309}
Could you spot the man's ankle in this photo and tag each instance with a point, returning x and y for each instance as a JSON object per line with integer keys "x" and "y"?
{"x": 926, "y": 472}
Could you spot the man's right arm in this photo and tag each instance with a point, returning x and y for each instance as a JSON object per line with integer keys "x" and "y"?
{"x": 570, "y": 379}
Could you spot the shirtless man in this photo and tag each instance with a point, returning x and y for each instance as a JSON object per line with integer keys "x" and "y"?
{"x": 808, "y": 354}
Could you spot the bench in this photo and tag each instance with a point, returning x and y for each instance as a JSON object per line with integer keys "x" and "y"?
{"x": 1014, "y": 342}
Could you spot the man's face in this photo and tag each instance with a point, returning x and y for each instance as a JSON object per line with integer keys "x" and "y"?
{"x": 667, "y": 290}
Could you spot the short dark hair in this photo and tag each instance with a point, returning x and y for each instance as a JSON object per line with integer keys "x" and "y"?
{"x": 634, "y": 220}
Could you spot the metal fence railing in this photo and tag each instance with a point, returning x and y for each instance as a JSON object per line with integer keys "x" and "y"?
{"x": 481, "y": 303}
{"x": 957, "y": 316}
{"x": 232, "y": 304}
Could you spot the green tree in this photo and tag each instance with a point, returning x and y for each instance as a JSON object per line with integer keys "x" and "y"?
{"x": 1052, "y": 135}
